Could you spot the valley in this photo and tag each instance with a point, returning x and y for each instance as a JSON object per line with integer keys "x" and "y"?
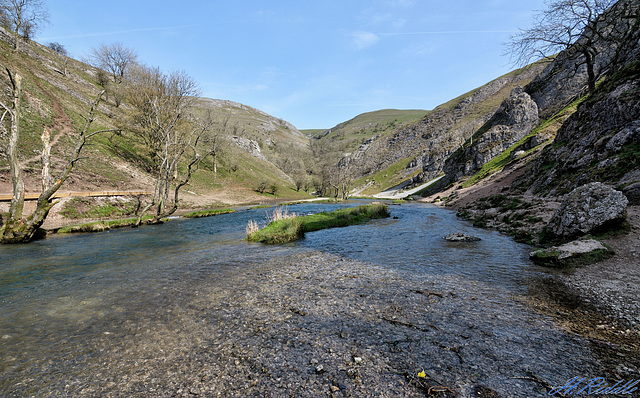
{"x": 533, "y": 166}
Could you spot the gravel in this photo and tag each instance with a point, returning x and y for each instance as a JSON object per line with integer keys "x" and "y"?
{"x": 314, "y": 325}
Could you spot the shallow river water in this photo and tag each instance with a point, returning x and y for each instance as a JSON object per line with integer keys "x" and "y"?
{"x": 190, "y": 309}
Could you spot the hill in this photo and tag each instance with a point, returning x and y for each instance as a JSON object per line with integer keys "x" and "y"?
{"x": 415, "y": 151}
{"x": 347, "y": 136}
{"x": 254, "y": 147}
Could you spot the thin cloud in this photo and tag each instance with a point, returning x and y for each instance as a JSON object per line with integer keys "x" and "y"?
{"x": 121, "y": 32}
{"x": 364, "y": 40}
{"x": 444, "y": 32}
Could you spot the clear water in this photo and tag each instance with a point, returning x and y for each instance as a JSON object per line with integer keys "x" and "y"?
{"x": 59, "y": 295}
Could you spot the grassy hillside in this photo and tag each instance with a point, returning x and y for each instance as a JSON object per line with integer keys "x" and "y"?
{"x": 58, "y": 101}
{"x": 348, "y": 136}
{"x": 416, "y": 150}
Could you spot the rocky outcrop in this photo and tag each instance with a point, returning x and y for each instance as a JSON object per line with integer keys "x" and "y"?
{"x": 515, "y": 118}
{"x": 460, "y": 237}
{"x": 440, "y": 133}
{"x": 566, "y": 78}
{"x": 599, "y": 142}
{"x": 578, "y": 252}
{"x": 249, "y": 146}
{"x": 588, "y": 209}
{"x": 632, "y": 192}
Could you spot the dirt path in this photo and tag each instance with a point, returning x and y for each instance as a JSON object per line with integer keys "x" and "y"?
{"x": 62, "y": 124}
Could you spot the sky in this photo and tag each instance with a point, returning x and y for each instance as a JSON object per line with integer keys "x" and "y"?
{"x": 312, "y": 63}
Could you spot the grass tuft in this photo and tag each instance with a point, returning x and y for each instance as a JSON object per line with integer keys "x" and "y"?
{"x": 207, "y": 213}
{"x": 293, "y": 228}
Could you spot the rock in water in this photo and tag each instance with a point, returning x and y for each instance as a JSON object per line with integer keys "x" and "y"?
{"x": 587, "y": 209}
{"x": 460, "y": 237}
{"x": 578, "y": 252}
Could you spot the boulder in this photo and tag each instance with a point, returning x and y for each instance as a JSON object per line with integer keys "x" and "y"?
{"x": 588, "y": 209}
{"x": 578, "y": 252}
{"x": 632, "y": 192}
{"x": 460, "y": 237}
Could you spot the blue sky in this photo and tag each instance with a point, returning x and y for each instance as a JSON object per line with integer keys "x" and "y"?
{"x": 312, "y": 63}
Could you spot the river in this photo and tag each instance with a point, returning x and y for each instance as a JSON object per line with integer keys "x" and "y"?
{"x": 188, "y": 307}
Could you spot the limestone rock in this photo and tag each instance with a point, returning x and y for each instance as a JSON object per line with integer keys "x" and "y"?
{"x": 587, "y": 209}
{"x": 460, "y": 237}
{"x": 249, "y": 146}
{"x": 516, "y": 117}
{"x": 632, "y": 192}
{"x": 582, "y": 251}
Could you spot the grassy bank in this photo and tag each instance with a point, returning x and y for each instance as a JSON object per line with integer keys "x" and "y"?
{"x": 293, "y": 228}
{"x": 207, "y": 213}
{"x": 99, "y": 226}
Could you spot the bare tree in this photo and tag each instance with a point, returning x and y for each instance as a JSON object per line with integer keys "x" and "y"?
{"x": 63, "y": 56}
{"x": 57, "y": 47}
{"x": 585, "y": 27}
{"x": 16, "y": 228}
{"x": 23, "y": 17}
{"x": 115, "y": 58}
{"x": 161, "y": 118}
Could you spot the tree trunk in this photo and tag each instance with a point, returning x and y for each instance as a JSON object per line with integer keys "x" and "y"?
{"x": 17, "y": 229}
{"x": 17, "y": 201}
{"x": 16, "y": 36}
{"x": 46, "y": 160}
{"x": 591, "y": 74}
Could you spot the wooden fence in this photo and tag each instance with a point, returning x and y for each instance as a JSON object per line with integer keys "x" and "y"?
{"x": 34, "y": 196}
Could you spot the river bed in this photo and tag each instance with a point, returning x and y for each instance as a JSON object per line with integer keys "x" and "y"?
{"x": 190, "y": 309}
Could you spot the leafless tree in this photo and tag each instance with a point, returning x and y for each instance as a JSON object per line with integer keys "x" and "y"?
{"x": 57, "y": 47}
{"x": 585, "y": 27}
{"x": 115, "y": 58}
{"x": 23, "y": 17}
{"x": 16, "y": 228}
{"x": 261, "y": 187}
{"x": 62, "y": 54}
{"x": 161, "y": 117}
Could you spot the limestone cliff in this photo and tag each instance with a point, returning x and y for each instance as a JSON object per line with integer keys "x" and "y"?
{"x": 600, "y": 142}
{"x": 431, "y": 140}
{"x": 596, "y": 143}
{"x": 515, "y": 118}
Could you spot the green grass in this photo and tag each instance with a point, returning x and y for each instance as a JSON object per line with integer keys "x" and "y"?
{"x": 290, "y": 229}
{"x": 388, "y": 177}
{"x": 207, "y": 213}
{"x": 100, "y": 226}
{"x": 86, "y": 208}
